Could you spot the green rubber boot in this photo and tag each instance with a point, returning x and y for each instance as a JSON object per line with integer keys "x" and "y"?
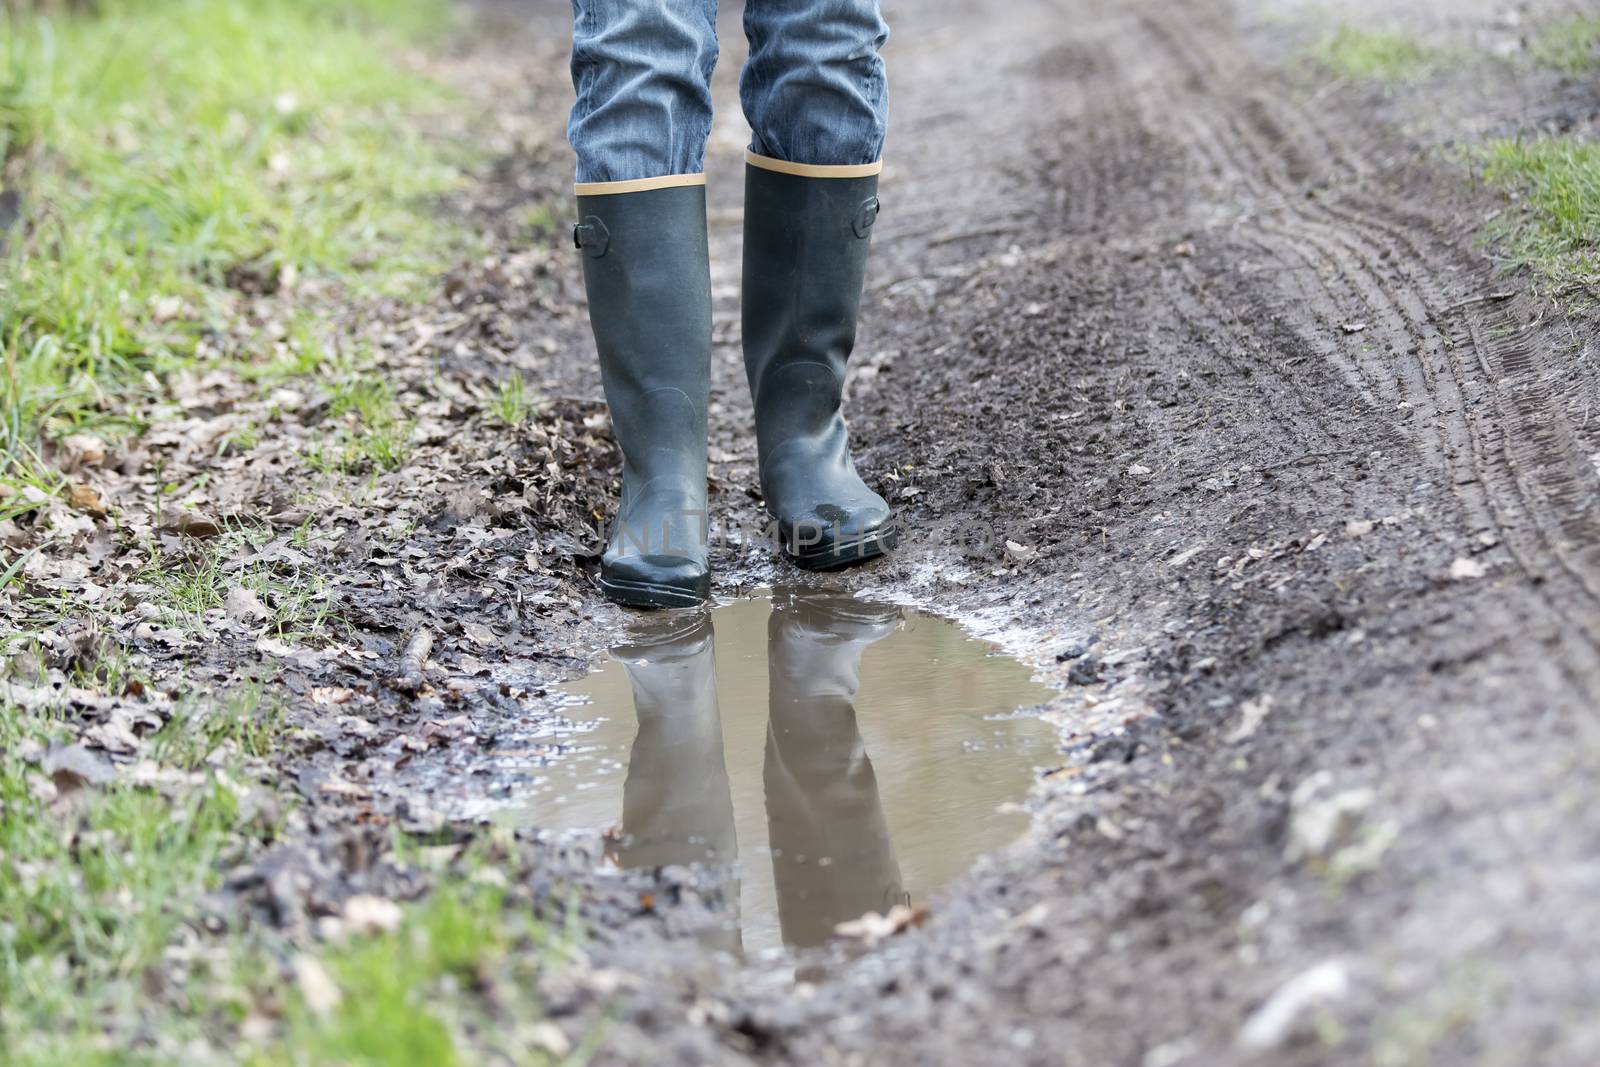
{"x": 647, "y": 270}
{"x": 805, "y": 256}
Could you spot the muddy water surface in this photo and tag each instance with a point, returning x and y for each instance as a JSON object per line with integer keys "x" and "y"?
{"x": 828, "y": 756}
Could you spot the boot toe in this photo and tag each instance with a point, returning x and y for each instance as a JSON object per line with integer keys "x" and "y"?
{"x": 830, "y": 537}
{"x": 656, "y": 581}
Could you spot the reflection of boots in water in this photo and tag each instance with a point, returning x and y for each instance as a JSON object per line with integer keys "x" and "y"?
{"x": 677, "y": 807}
{"x": 832, "y": 856}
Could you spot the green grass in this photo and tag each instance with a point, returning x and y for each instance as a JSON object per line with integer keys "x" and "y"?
{"x": 170, "y": 156}
{"x": 1373, "y": 55}
{"x": 242, "y": 723}
{"x": 511, "y": 404}
{"x": 1571, "y": 45}
{"x": 1554, "y": 229}
{"x": 370, "y": 435}
{"x": 94, "y": 890}
{"x": 400, "y": 993}
{"x": 103, "y": 960}
{"x": 185, "y": 585}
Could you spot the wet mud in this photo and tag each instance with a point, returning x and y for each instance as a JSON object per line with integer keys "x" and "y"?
{"x": 1289, "y": 510}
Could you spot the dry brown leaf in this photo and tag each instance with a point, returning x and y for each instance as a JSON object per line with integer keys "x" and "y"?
{"x": 83, "y": 450}
{"x": 84, "y": 498}
{"x": 191, "y": 525}
{"x": 242, "y": 605}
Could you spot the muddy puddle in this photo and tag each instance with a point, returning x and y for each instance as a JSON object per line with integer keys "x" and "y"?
{"x": 824, "y": 756}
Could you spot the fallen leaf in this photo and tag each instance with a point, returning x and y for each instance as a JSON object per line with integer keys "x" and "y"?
{"x": 338, "y": 787}
{"x": 1251, "y": 715}
{"x": 115, "y": 735}
{"x": 83, "y": 450}
{"x": 85, "y": 499}
{"x": 73, "y": 767}
{"x": 549, "y": 1037}
{"x": 1021, "y": 553}
{"x": 872, "y": 927}
{"x": 479, "y": 634}
{"x": 243, "y": 605}
{"x": 367, "y": 914}
{"x": 446, "y": 729}
{"x": 1185, "y": 556}
{"x": 191, "y": 525}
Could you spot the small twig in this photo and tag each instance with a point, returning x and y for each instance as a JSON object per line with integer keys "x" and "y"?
{"x": 409, "y": 678}
{"x": 1485, "y": 299}
{"x": 971, "y": 235}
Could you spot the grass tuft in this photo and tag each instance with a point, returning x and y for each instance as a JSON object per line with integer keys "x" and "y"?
{"x": 511, "y": 404}
{"x": 372, "y": 434}
{"x": 389, "y": 1007}
{"x": 1571, "y": 45}
{"x": 1555, "y": 230}
{"x": 1372, "y": 55}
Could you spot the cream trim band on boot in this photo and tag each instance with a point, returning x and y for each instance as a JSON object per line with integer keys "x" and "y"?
{"x": 638, "y": 185}
{"x": 813, "y": 170}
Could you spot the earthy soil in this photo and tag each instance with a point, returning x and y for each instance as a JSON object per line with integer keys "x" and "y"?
{"x": 1197, "y": 389}
{"x": 1297, "y": 484}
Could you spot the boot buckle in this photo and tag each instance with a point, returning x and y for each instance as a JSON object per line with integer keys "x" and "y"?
{"x": 592, "y": 237}
{"x": 866, "y": 215}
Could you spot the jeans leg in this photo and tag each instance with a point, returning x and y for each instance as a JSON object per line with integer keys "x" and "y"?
{"x": 642, "y": 71}
{"x": 814, "y": 89}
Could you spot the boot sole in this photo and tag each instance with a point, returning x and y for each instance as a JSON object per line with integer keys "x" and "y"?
{"x": 874, "y": 545}
{"x": 654, "y": 595}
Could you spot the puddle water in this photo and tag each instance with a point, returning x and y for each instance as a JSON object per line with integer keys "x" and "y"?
{"x": 830, "y": 756}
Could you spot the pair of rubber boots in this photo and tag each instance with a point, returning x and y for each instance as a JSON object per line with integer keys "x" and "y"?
{"x": 647, "y": 269}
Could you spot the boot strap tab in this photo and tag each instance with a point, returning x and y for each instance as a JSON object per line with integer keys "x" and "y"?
{"x": 592, "y": 236}
{"x": 866, "y": 215}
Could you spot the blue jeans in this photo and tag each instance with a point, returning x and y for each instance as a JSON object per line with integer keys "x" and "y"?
{"x": 813, "y": 90}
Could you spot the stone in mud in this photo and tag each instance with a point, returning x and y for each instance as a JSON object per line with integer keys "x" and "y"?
{"x": 1075, "y": 649}
{"x": 1087, "y": 671}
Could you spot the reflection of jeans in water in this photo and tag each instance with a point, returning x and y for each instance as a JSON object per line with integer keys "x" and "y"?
{"x": 813, "y": 90}
{"x": 832, "y": 856}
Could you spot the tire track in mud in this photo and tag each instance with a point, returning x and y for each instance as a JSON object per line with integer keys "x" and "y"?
{"x": 1474, "y": 377}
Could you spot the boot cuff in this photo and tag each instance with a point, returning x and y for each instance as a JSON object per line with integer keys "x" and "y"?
{"x": 638, "y": 185}
{"x": 813, "y": 170}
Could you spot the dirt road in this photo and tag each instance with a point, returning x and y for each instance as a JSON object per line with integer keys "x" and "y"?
{"x": 1218, "y": 348}
{"x": 1188, "y": 366}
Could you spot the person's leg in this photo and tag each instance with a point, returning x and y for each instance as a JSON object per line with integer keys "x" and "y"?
{"x": 642, "y": 70}
{"x": 815, "y": 94}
